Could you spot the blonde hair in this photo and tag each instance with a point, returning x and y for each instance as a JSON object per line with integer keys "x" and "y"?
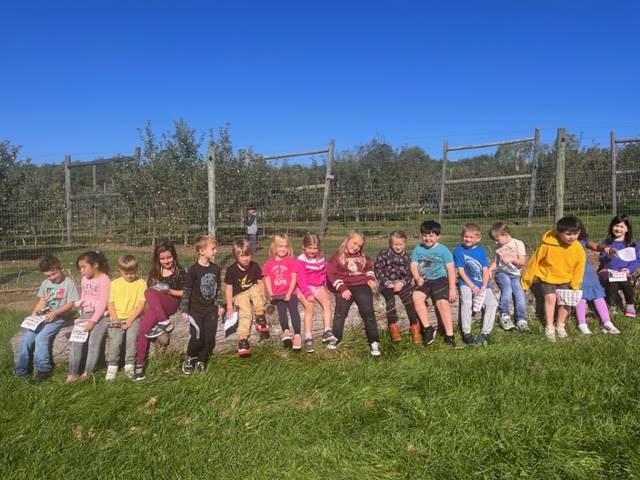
{"x": 272, "y": 248}
{"x": 397, "y": 234}
{"x": 128, "y": 263}
{"x": 499, "y": 228}
{"x": 471, "y": 228}
{"x": 342, "y": 249}
{"x": 241, "y": 246}
{"x": 203, "y": 240}
{"x": 312, "y": 240}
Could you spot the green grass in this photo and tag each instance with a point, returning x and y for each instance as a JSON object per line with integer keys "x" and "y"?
{"x": 519, "y": 408}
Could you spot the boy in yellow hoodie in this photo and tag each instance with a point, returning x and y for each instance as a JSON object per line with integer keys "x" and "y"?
{"x": 557, "y": 263}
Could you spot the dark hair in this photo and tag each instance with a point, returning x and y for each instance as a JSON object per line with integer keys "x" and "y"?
{"x": 499, "y": 228}
{"x": 431, "y": 226}
{"x": 96, "y": 259}
{"x": 164, "y": 246}
{"x": 48, "y": 263}
{"x": 569, "y": 224}
{"x": 628, "y": 237}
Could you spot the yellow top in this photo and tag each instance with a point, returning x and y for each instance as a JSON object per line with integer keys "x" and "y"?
{"x": 555, "y": 262}
{"x": 126, "y": 296}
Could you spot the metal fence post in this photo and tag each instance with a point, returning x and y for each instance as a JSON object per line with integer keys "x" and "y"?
{"x": 560, "y": 172}
{"x": 443, "y": 179}
{"x": 534, "y": 176}
{"x": 324, "y": 214}
{"x": 211, "y": 188}
{"x": 614, "y": 176}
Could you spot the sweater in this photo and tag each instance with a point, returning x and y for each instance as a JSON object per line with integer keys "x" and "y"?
{"x": 613, "y": 262}
{"x": 94, "y": 297}
{"x": 391, "y": 267}
{"x": 342, "y": 276}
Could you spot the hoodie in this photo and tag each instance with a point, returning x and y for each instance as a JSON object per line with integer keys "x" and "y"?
{"x": 556, "y": 263}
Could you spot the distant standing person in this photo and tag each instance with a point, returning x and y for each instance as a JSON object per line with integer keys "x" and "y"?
{"x": 251, "y": 222}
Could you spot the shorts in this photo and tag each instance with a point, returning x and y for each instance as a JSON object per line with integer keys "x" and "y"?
{"x": 313, "y": 288}
{"x": 550, "y": 288}
{"x": 436, "y": 289}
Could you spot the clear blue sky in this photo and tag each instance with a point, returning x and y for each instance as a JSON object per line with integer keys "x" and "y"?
{"x": 82, "y": 77}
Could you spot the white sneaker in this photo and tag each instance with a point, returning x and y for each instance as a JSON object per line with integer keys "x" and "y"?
{"x": 550, "y": 333}
{"x": 332, "y": 345}
{"x": 561, "y": 331}
{"x": 375, "y": 349}
{"x": 610, "y": 328}
{"x": 506, "y": 323}
{"x": 522, "y": 326}
{"x": 128, "y": 370}
{"x": 112, "y": 370}
{"x": 584, "y": 328}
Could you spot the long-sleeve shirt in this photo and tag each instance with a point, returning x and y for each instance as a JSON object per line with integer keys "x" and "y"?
{"x": 352, "y": 273}
{"x": 94, "y": 296}
{"x": 312, "y": 272}
{"x": 391, "y": 267}
{"x": 614, "y": 262}
{"x": 201, "y": 287}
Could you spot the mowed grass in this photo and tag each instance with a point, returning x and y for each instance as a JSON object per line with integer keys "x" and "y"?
{"x": 519, "y": 408}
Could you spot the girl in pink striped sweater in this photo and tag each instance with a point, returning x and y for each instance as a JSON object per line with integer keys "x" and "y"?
{"x": 312, "y": 278}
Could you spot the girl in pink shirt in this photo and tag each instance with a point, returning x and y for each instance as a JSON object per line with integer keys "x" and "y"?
{"x": 280, "y": 277}
{"x": 94, "y": 298}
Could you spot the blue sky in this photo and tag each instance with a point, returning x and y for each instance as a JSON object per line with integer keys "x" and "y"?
{"x": 82, "y": 77}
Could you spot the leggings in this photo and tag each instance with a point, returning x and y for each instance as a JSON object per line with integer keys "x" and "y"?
{"x": 160, "y": 306}
{"x": 292, "y": 306}
{"x": 363, "y": 296}
{"x": 613, "y": 287}
{"x": 203, "y": 335}
{"x": 601, "y": 308}
{"x": 390, "y": 301}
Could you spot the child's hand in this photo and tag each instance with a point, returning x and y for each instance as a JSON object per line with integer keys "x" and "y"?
{"x": 221, "y": 311}
{"x": 287, "y": 297}
{"x": 608, "y": 250}
{"x": 420, "y": 281}
{"x": 372, "y": 284}
{"x": 88, "y": 326}
{"x": 453, "y": 295}
{"x": 492, "y": 267}
{"x": 475, "y": 289}
{"x": 626, "y": 270}
{"x": 398, "y": 286}
{"x": 184, "y": 316}
{"x": 127, "y": 324}
{"x": 49, "y": 316}
{"x": 346, "y": 295}
{"x": 229, "y": 312}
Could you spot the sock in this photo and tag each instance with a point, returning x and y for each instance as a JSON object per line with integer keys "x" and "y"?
{"x": 581, "y": 311}
{"x": 631, "y": 306}
{"x": 603, "y": 311}
{"x": 165, "y": 322}
{"x": 327, "y": 329}
{"x": 308, "y": 336}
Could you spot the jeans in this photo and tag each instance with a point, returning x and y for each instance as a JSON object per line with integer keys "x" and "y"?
{"x": 38, "y": 343}
{"x": 292, "y": 307}
{"x": 203, "y": 338}
{"x": 510, "y": 287}
{"x": 118, "y": 336}
{"x": 160, "y": 306}
{"x": 390, "y": 301}
{"x": 92, "y": 347}
{"x": 253, "y": 240}
{"x": 465, "y": 306}
{"x": 363, "y": 296}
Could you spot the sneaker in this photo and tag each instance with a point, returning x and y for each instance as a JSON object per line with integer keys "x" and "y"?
{"x": 483, "y": 339}
{"x": 584, "y": 328}
{"x": 41, "y": 377}
{"x": 610, "y": 328}
{"x": 416, "y": 336}
{"x": 244, "y": 349}
{"x": 506, "y": 323}
{"x": 450, "y": 340}
{"x": 375, "y": 349}
{"x": 332, "y": 345}
{"x": 128, "y": 370}
{"x": 297, "y": 342}
{"x": 261, "y": 324}
{"x": 394, "y": 332}
{"x": 308, "y": 345}
{"x": 138, "y": 372}
{"x": 630, "y": 311}
{"x": 286, "y": 339}
{"x": 550, "y": 333}
{"x": 200, "y": 367}
{"x": 112, "y": 371}
{"x": 188, "y": 365}
{"x": 522, "y": 326}
{"x": 468, "y": 339}
{"x": 328, "y": 337}
{"x": 561, "y": 331}
{"x": 428, "y": 334}
{"x": 158, "y": 329}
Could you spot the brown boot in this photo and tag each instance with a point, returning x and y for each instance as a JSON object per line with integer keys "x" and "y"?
{"x": 416, "y": 337}
{"x": 394, "y": 332}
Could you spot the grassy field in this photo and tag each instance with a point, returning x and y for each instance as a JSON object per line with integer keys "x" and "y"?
{"x": 519, "y": 408}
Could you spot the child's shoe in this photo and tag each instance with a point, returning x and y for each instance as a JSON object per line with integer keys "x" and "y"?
{"x": 428, "y": 334}
{"x": 332, "y": 345}
{"x": 483, "y": 338}
{"x": 328, "y": 337}
{"x": 308, "y": 345}
{"x": 610, "y": 328}
{"x": 630, "y": 311}
{"x": 138, "y": 372}
{"x": 158, "y": 329}
{"x": 394, "y": 332}
{"x": 41, "y": 377}
{"x": 522, "y": 326}
{"x": 468, "y": 339}
{"x": 506, "y": 323}
{"x": 128, "y": 370}
{"x": 450, "y": 340}
{"x": 200, "y": 367}
{"x": 112, "y": 371}
{"x": 244, "y": 349}
{"x": 297, "y": 342}
{"x": 416, "y": 336}
{"x": 550, "y": 333}
{"x": 262, "y": 326}
{"x": 375, "y": 349}
{"x": 286, "y": 339}
{"x": 584, "y": 328}
{"x": 561, "y": 331}
{"x": 188, "y": 365}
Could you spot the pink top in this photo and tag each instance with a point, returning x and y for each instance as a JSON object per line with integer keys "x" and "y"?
{"x": 312, "y": 272}
{"x": 279, "y": 272}
{"x": 94, "y": 296}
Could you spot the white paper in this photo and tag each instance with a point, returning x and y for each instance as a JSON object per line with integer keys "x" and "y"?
{"x": 568, "y": 297}
{"x": 78, "y": 334}
{"x": 615, "y": 276}
{"x": 627, "y": 254}
{"x": 163, "y": 287}
{"x": 32, "y": 321}
{"x": 231, "y": 324}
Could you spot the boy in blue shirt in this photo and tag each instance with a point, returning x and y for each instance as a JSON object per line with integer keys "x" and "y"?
{"x": 433, "y": 271}
{"x": 472, "y": 265}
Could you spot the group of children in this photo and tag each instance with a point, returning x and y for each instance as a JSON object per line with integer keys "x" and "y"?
{"x": 131, "y": 312}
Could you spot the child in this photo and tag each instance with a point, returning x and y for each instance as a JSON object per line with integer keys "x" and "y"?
{"x": 510, "y": 257}
{"x": 163, "y": 293}
{"x": 126, "y": 303}
{"x": 244, "y": 289}
{"x": 393, "y": 271}
{"x": 280, "y": 273}
{"x": 251, "y": 224}
{"x": 351, "y": 278}
{"x": 94, "y": 297}
{"x": 472, "y": 264}
{"x": 198, "y": 305}
{"x": 57, "y": 295}
{"x": 592, "y": 291}
{"x": 435, "y": 276}
{"x": 312, "y": 273}
{"x": 620, "y": 237}
{"x": 557, "y": 263}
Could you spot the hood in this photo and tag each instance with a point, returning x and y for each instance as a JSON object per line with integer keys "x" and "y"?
{"x": 550, "y": 239}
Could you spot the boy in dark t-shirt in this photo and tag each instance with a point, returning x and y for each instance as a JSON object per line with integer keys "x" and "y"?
{"x": 244, "y": 289}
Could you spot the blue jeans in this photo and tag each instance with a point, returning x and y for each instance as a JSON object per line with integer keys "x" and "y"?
{"x": 510, "y": 287}
{"x": 38, "y": 343}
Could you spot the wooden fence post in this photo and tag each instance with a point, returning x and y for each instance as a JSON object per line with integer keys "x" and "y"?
{"x": 443, "y": 179}
{"x": 211, "y": 188}
{"x": 67, "y": 197}
{"x": 614, "y": 176}
{"x": 324, "y": 214}
{"x": 534, "y": 176}
{"x": 560, "y": 172}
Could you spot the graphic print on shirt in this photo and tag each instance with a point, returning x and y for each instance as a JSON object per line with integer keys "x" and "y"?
{"x": 53, "y": 297}
{"x": 279, "y": 275}
{"x": 245, "y": 282}
{"x": 473, "y": 268}
{"x": 430, "y": 266}
{"x": 208, "y": 286}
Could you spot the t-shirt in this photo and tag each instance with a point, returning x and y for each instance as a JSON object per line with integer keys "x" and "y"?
{"x": 201, "y": 287}
{"x": 473, "y": 260}
{"x": 56, "y": 295}
{"x": 126, "y": 296}
{"x": 431, "y": 261}
{"x": 505, "y": 254}
{"x": 279, "y": 273}
{"x": 242, "y": 279}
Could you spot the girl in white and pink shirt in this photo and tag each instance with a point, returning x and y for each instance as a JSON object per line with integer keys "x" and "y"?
{"x": 312, "y": 279}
